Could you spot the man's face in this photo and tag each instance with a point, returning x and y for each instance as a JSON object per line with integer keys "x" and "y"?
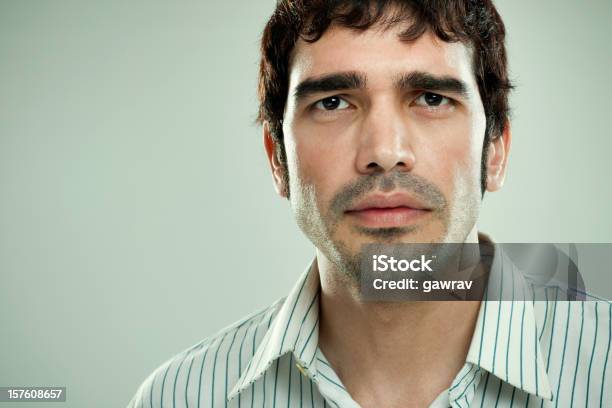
{"x": 383, "y": 140}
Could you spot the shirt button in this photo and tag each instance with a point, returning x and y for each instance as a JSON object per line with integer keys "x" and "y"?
{"x": 301, "y": 368}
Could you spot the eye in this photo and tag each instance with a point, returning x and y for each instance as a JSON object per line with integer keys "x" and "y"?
{"x": 331, "y": 103}
{"x": 432, "y": 100}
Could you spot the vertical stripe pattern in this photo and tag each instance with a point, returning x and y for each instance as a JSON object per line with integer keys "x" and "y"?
{"x": 523, "y": 353}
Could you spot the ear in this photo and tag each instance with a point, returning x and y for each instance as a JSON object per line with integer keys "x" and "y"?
{"x": 497, "y": 159}
{"x": 278, "y": 170}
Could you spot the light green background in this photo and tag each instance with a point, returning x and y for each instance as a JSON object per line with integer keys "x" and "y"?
{"x": 137, "y": 214}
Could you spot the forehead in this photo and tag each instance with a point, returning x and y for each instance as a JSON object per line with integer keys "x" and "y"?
{"x": 380, "y": 54}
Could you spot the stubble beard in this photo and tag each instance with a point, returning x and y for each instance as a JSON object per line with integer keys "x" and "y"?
{"x": 321, "y": 226}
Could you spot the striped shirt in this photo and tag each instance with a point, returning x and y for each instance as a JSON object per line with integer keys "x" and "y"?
{"x": 523, "y": 353}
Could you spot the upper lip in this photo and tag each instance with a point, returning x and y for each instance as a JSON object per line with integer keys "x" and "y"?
{"x": 388, "y": 201}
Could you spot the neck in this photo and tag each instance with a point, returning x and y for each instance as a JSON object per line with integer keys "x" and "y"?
{"x": 378, "y": 348}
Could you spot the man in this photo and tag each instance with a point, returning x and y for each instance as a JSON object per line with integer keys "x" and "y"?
{"x": 385, "y": 122}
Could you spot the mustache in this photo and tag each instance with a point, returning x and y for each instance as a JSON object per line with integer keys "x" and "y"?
{"x": 427, "y": 192}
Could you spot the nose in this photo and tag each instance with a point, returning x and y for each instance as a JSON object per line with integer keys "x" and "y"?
{"x": 385, "y": 143}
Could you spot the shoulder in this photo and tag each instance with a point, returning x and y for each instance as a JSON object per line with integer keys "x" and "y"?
{"x": 575, "y": 338}
{"x": 208, "y": 370}
{"x": 573, "y": 321}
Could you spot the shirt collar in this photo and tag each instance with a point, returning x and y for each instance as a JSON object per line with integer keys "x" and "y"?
{"x": 505, "y": 340}
{"x": 505, "y": 332}
{"x": 294, "y": 329}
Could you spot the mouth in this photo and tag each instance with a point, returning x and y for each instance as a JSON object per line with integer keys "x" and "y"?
{"x": 397, "y": 210}
{"x": 387, "y": 217}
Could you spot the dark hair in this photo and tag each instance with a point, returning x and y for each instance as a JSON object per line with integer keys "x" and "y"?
{"x": 473, "y": 22}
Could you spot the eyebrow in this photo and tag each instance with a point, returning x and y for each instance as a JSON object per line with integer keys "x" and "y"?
{"x": 428, "y": 82}
{"x": 330, "y": 82}
{"x": 416, "y": 80}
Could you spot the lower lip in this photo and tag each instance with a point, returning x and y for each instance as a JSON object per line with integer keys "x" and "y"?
{"x": 387, "y": 217}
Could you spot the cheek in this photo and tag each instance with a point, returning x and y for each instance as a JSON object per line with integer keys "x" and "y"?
{"x": 303, "y": 193}
{"x": 317, "y": 171}
{"x": 316, "y": 159}
{"x": 452, "y": 158}
{"x": 467, "y": 168}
